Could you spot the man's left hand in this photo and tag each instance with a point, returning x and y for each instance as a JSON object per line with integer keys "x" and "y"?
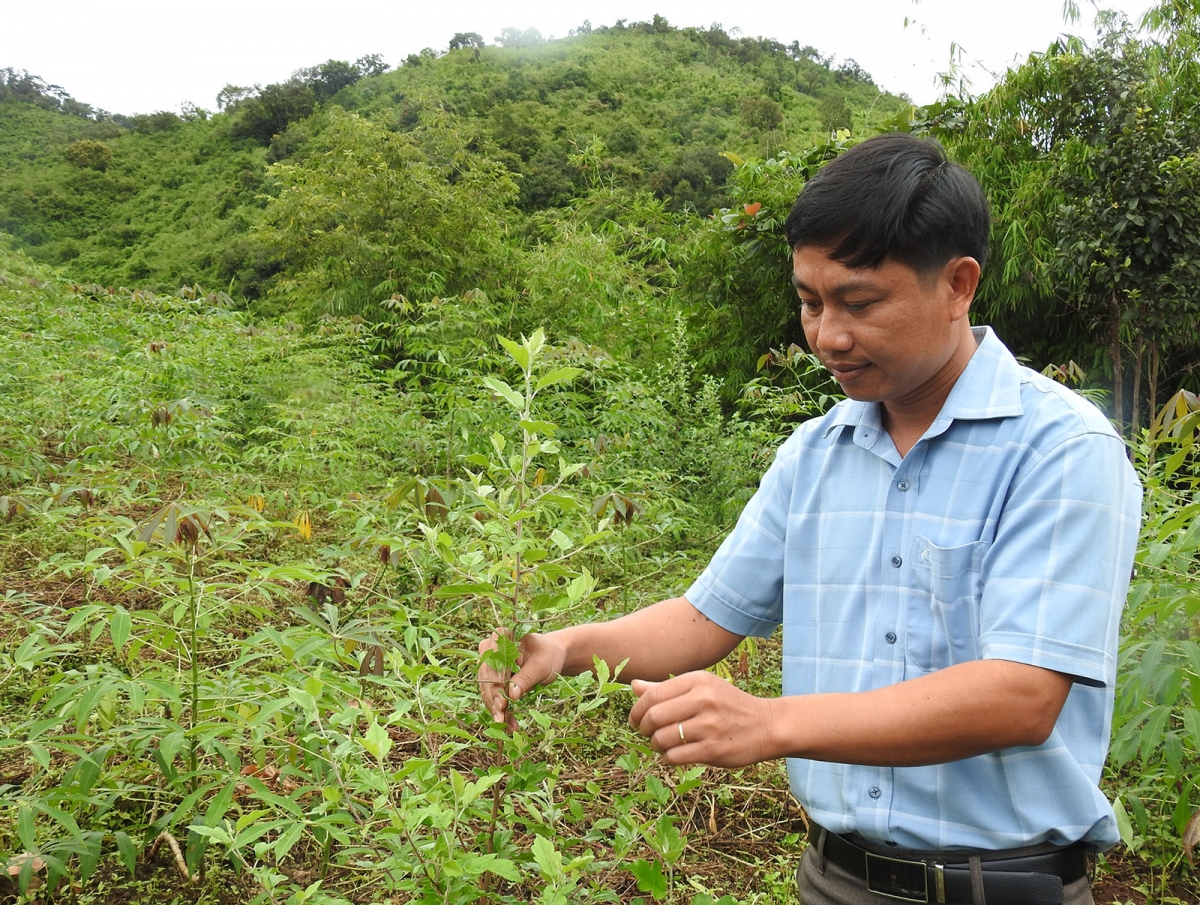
{"x": 699, "y": 718}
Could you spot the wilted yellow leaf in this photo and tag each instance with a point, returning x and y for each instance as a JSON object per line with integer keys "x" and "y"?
{"x": 1191, "y": 835}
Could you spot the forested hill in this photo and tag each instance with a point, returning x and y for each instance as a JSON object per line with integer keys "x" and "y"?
{"x": 161, "y": 199}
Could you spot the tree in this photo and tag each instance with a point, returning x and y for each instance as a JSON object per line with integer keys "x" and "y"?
{"x": 267, "y": 115}
{"x": 851, "y": 71}
{"x": 835, "y": 113}
{"x": 88, "y": 155}
{"x": 19, "y": 85}
{"x": 466, "y": 39}
{"x": 374, "y": 215}
{"x": 371, "y": 64}
{"x": 520, "y": 40}
{"x": 150, "y": 123}
{"x": 760, "y": 114}
{"x": 1129, "y": 237}
{"x": 231, "y": 95}
{"x": 1089, "y": 157}
{"x": 329, "y": 78}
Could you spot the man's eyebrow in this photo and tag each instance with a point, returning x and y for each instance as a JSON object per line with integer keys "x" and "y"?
{"x": 862, "y": 285}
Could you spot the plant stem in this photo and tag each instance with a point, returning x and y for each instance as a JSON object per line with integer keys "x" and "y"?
{"x": 193, "y": 611}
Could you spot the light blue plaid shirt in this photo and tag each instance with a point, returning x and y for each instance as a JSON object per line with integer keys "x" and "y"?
{"x": 1007, "y": 532}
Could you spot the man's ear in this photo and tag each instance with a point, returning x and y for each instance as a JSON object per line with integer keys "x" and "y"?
{"x": 960, "y": 279}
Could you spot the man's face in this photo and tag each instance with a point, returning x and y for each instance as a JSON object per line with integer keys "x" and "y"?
{"x": 887, "y": 333}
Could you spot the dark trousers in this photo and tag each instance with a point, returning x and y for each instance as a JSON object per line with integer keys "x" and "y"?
{"x": 823, "y": 883}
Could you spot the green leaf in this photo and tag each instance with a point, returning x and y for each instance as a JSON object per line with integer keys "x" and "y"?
{"x": 216, "y": 833}
{"x": 473, "y": 589}
{"x": 473, "y": 790}
{"x": 558, "y": 375}
{"x": 308, "y": 704}
{"x": 1124, "y": 825}
{"x": 538, "y": 427}
{"x": 39, "y": 753}
{"x": 535, "y": 343}
{"x": 219, "y": 805}
{"x": 518, "y": 352}
{"x": 377, "y": 741}
{"x": 549, "y": 859}
{"x": 127, "y": 850}
{"x": 25, "y": 828}
{"x": 474, "y": 865}
{"x": 580, "y": 586}
{"x": 650, "y": 878}
{"x": 88, "y": 854}
{"x": 118, "y": 628}
{"x": 458, "y": 784}
{"x": 287, "y": 839}
{"x": 1191, "y": 722}
{"x": 266, "y": 796}
{"x": 507, "y": 393}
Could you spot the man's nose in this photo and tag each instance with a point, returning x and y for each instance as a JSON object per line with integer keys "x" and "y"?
{"x": 833, "y": 332}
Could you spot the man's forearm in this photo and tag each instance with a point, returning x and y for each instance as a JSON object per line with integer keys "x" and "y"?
{"x": 662, "y": 640}
{"x": 955, "y": 713}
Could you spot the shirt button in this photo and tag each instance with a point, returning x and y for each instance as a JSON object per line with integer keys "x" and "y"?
{"x": 897, "y": 561}
{"x": 890, "y": 637}
{"x": 902, "y": 485}
{"x": 875, "y": 791}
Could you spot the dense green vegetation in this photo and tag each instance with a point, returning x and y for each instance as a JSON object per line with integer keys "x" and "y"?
{"x": 243, "y": 568}
{"x": 177, "y": 195}
{"x": 327, "y": 384}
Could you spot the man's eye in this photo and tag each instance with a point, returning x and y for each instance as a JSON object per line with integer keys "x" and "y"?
{"x": 856, "y": 307}
{"x": 810, "y": 304}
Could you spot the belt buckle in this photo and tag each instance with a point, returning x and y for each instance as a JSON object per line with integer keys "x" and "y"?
{"x": 897, "y": 878}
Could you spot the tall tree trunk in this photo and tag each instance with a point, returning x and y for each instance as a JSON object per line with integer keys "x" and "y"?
{"x": 1135, "y": 417}
{"x": 1153, "y": 392}
{"x": 1114, "y": 351}
{"x": 1153, "y": 378}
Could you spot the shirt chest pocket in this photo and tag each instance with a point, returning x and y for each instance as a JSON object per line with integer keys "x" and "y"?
{"x": 943, "y": 604}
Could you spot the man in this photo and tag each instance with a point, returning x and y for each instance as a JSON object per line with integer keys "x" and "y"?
{"x": 948, "y": 552}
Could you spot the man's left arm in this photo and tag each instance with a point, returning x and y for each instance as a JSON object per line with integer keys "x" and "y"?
{"x": 957, "y": 712}
{"x": 1054, "y": 583}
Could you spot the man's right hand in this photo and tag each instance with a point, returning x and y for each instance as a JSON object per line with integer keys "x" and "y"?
{"x": 540, "y": 660}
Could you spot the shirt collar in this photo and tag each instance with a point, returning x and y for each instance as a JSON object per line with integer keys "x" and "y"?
{"x": 989, "y": 387}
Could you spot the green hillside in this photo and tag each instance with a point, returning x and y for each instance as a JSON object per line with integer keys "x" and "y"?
{"x": 161, "y": 200}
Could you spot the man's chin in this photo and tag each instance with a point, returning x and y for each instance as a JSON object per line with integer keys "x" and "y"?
{"x": 861, "y": 393}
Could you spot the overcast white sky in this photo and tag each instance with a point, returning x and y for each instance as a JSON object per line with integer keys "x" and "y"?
{"x": 139, "y": 56}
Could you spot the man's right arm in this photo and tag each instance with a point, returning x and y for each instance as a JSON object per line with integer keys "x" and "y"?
{"x": 669, "y": 638}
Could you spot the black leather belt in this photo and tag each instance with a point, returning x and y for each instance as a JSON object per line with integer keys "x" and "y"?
{"x": 1036, "y": 878}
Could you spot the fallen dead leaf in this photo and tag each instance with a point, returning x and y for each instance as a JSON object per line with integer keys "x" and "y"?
{"x": 13, "y": 868}
{"x": 1191, "y": 835}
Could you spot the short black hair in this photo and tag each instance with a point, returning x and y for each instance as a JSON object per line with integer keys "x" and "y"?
{"x": 893, "y": 196}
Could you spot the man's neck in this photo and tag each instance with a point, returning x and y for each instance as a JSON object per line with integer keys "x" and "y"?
{"x": 906, "y": 421}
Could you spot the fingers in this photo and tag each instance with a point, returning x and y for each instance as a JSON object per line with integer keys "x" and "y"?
{"x": 700, "y": 718}
{"x": 491, "y": 682}
{"x": 662, "y": 708}
{"x": 538, "y": 661}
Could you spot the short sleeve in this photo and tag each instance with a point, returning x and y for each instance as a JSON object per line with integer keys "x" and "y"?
{"x": 741, "y": 590}
{"x": 1056, "y": 574}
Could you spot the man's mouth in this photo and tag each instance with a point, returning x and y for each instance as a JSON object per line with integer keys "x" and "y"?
{"x": 844, "y": 372}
